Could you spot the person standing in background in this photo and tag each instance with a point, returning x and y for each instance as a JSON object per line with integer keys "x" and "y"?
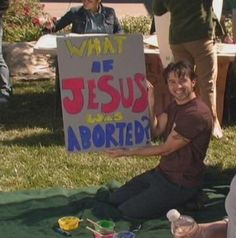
{"x": 5, "y": 84}
{"x": 192, "y": 33}
{"x": 92, "y": 17}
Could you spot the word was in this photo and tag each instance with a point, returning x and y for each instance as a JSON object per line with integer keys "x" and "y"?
{"x": 103, "y": 118}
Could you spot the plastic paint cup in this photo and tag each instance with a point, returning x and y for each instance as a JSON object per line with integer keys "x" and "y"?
{"x": 106, "y": 228}
{"x": 125, "y": 234}
{"x": 111, "y": 235}
{"x": 69, "y": 223}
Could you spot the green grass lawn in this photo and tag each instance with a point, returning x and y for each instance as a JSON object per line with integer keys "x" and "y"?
{"x": 33, "y": 152}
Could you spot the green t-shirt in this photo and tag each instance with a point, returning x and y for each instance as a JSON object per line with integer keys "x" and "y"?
{"x": 190, "y": 19}
{"x": 228, "y": 6}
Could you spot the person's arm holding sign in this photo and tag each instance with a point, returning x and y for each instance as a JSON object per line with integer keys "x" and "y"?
{"x": 173, "y": 143}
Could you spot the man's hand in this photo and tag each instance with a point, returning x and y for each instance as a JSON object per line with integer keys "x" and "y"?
{"x": 114, "y": 153}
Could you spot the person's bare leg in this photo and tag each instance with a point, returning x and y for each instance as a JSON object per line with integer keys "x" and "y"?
{"x": 216, "y": 229}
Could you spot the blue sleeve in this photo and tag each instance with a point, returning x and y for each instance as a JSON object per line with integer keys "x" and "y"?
{"x": 63, "y": 21}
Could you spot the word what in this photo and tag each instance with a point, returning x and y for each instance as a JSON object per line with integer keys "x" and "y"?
{"x": 97, "y": 46}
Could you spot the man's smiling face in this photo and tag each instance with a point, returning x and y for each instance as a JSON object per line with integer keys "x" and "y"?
{"x": 181, "y": 87}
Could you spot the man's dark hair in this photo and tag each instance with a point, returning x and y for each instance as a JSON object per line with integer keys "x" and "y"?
{"x": 180, "y": 68}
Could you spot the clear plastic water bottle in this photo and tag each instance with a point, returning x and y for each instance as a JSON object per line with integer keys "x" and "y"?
{"x": 182, "y": 226}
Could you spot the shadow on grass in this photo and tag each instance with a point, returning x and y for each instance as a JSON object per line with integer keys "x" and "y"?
{"x": 33, "y": 105}
{"x": 216, "y": 176}
{"x": 42, "y": 139}
{"x": 30, "y": 107}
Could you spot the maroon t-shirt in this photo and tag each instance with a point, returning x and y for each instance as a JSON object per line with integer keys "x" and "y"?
{"x": 193, "y": 121}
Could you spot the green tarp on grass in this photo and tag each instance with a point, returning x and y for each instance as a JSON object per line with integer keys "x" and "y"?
{"x": 32, "y": 213}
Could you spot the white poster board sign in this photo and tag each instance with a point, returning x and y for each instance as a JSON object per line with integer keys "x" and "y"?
{"x": 217, "y": 7}
{"x": 103, "y": 91}
{"x": 162, "y": 24}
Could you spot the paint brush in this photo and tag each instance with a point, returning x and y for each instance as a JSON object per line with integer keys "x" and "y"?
{"x": 102, "y": 229}
{"x": 94, "y": 231}
{"x": 212, "y": 203}
{"x": 94, "y": 223}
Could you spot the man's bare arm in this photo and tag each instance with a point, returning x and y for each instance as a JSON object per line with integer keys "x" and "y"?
{"x": 158, "y": 125}
{"x": 173, "y": 143}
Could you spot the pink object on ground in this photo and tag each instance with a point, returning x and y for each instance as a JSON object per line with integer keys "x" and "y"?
{"x": 111, "y": 235}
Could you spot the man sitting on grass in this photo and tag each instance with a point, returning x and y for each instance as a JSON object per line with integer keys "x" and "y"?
{"x": 186, "y": 127}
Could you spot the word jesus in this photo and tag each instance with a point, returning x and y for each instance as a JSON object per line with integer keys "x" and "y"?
{"x": 77, "y": 87}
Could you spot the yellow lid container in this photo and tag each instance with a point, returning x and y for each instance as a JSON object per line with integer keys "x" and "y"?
{"x": 69, "y": 223}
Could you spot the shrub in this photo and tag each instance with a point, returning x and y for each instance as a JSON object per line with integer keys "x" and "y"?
{"x": 25, "y": 21}
{"x": 228, "y": 26}
{"x": 131, "y": 24}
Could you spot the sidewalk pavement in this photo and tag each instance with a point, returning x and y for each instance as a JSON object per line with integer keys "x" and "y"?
{"x": 121, "y": 9}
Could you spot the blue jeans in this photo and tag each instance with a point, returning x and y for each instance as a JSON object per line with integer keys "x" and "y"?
{"x": 5, "y": 84}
